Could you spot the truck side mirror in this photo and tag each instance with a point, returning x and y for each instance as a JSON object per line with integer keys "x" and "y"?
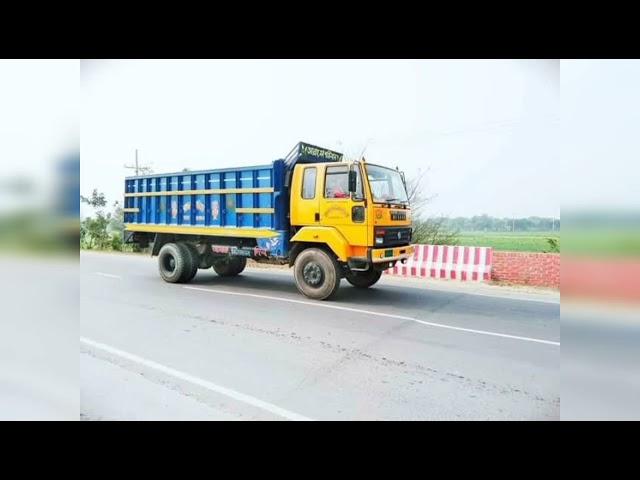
{"x": 352, "y": 181}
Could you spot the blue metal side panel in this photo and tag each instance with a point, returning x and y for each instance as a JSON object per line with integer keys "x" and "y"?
{"x": 141, "y": 201}
{"x": 163, "y": 202}
{"x": 131, "y": 202}
{"x": 153, "y": 203}
{"x": 280, "y": 197}
{"x": 215, "y": 205}
{"x": 199, "y": 205}
{"x": 281, "y": 204}
{"x": 148, "y": 208}
{"x": 159, "y": 201}
{"x": 174, "y": 184}
{"x": 246, "y": 199}
{"x": 187, "y": 200}
{"x": 128, "y": 201}
{"x": 229, "y": 217}
{"x": 264, "y": 178}
{"x": 215, "y": 209}
{"x": 277, "y": 246}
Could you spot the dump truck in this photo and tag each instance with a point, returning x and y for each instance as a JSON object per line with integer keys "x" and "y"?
{"x": 312, "y": 210}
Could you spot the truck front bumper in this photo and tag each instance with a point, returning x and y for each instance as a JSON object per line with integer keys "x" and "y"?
{"x": 379, "y": 255}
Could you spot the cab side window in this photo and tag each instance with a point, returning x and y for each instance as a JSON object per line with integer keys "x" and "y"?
{"x": 336, "y": 183}
{"x": 359, "y": 190}
{"x": 309, "y": 183}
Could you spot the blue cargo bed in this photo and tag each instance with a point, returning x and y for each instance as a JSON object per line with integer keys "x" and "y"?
{"x": 247, "y": 202}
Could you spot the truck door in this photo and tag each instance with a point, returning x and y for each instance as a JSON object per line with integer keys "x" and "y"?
{"x": 305, "y": 195}
{"x": 337, "y": 207}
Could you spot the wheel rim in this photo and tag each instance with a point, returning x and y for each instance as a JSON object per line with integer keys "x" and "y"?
{"x": 313, "y": 274}
{"x": 169, "y": 263}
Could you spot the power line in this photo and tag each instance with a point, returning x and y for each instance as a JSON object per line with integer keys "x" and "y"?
{"x": 139, "y": 169}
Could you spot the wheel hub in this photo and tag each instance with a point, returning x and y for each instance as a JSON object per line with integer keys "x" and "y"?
{"x": 313, "y": 274}
{"x": 170, "y": 263}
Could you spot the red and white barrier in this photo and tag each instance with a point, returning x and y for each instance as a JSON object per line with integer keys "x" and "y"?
{"x": 447, "y": 262}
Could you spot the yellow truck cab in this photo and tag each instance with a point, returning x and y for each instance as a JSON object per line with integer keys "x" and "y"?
{"x": 358, "y": 211}
{"x": 327, "y": 218}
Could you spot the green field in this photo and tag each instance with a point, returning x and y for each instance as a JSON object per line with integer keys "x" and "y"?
{"x": 507, "y": 241}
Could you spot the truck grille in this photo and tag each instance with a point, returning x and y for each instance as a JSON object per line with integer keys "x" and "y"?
{"x": 398, "y": 215}
{"x": 392, "y": 236}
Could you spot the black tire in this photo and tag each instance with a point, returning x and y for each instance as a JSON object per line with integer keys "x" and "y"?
{"x": 363, "y": 279}
{"x": 195, "y": 261}
{"x": 317, "y": 274}
{"x": 174, "y": 262}
{"x": 230, "y": 266}
{"x": 206, "y": 260}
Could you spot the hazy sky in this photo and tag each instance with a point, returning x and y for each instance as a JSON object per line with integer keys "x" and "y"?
{"x": 600, "y": 134}
{"x": 486, "y": 131}
{"x": 39, "y": 124}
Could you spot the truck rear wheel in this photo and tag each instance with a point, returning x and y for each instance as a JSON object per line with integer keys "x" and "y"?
{"x": 230, "y": 267}
{"x": 317, "y": 274}
{"x": 206, "y": 259}
{"x": 174, "y": 262}
{"x": 192, "y": 250}
{"x": 363, "y": 279}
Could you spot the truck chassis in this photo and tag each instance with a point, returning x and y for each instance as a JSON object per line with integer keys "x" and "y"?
{"x": 317, "y": 270}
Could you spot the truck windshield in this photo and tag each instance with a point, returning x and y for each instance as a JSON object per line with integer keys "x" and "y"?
{"x": 386, "y": 185}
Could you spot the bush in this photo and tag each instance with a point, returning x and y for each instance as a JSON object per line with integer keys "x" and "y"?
{"x": 554, "y": 246}
{"x": 433, "y": 231}
{"x": 116, "y": 242}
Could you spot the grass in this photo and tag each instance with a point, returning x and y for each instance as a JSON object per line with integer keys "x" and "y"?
{"x": 603, "y": 242}
{"x": 508, "y": 241}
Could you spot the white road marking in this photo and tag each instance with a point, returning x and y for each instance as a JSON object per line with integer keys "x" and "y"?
{"x": 248, "y": 399}
{"x": 109, "y": 275}
{"x": 379, "y": 314}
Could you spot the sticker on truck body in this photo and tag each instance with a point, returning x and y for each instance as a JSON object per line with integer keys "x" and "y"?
{"x": 240, "y": 251}
{"x": 215, "y": 209}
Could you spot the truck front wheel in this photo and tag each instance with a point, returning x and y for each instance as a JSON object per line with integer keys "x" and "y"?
{"x": 363, "y": 279}
{"x": 230, "y": 267}
{"x": 317, "y": 274}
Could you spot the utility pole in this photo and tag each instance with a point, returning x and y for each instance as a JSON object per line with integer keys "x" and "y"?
{"x": 140, "y": 170}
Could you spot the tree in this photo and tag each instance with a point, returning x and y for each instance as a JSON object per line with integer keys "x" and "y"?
{"x": 427, "y": 230}
{"x": 117, "y": 218}
{"x": 96, "y": 200}
{"x": 94, "y": 230}
{"x": 416, "y": 194}
{"x": 433, "y": 231}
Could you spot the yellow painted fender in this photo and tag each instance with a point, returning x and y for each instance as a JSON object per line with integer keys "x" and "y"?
{"x": 328, "y": 235}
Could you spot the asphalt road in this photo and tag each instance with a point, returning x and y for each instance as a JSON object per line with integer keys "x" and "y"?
{"x": 252, "y": 347}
